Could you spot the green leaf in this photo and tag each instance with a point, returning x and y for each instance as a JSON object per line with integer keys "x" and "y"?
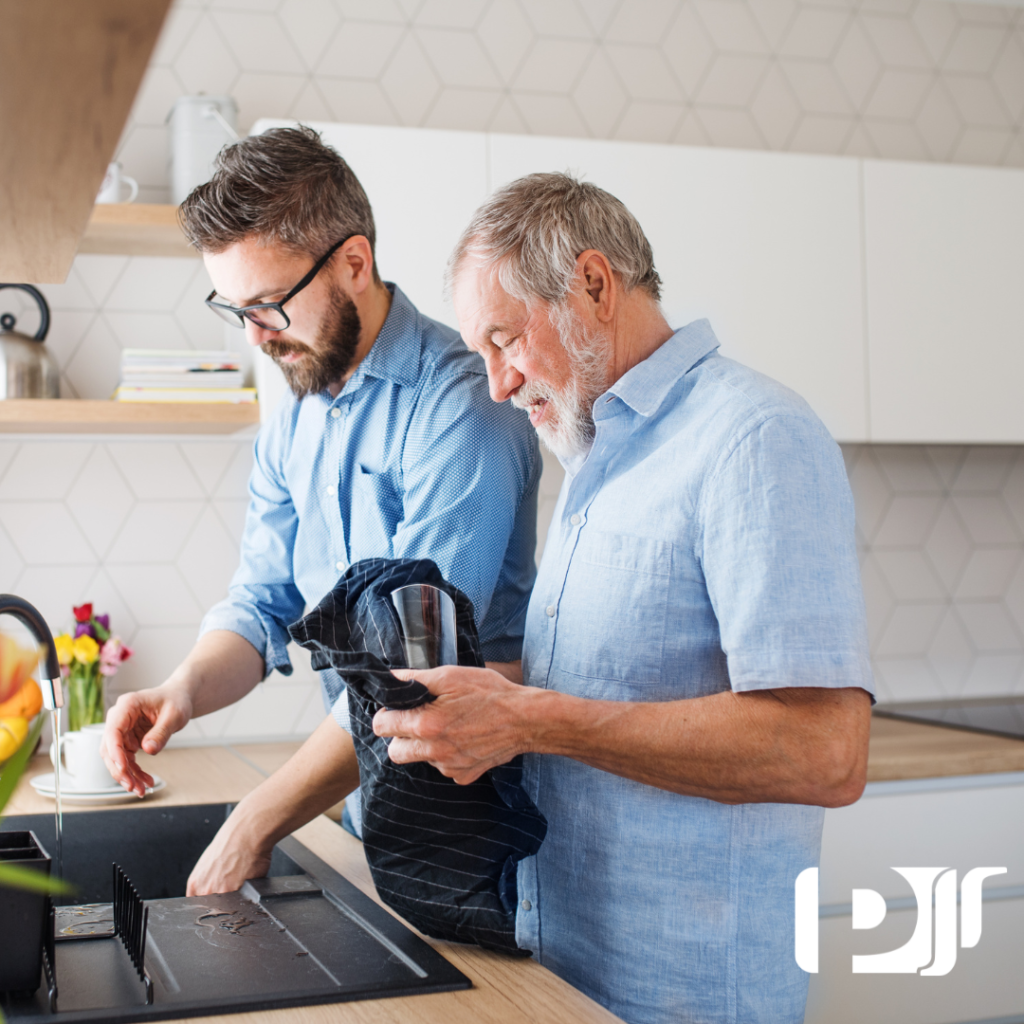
{"x": 15, "y": 876}
{"x": 16, "y": 762}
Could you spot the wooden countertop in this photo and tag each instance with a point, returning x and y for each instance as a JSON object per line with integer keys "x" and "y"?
{"x": 505, "y": 991}
{"x": 911, "y": 750}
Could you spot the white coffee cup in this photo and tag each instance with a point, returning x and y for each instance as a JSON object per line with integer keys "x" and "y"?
{"x": 84, "y": 769}
{"x": 110, "y": 190}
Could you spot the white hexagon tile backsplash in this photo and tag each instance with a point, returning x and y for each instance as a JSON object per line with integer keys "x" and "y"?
{"x": 149, "y": 530}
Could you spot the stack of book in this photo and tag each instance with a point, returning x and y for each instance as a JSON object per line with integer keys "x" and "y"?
{"x": 181, "y": 375}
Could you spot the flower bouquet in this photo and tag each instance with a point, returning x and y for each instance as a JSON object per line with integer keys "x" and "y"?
{"x": 87, "y": 659}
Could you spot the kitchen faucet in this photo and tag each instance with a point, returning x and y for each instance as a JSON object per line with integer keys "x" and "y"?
{"x": 28, "y": 615}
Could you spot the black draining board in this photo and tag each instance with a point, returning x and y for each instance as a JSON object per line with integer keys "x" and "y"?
{"x": 290, "y": 940}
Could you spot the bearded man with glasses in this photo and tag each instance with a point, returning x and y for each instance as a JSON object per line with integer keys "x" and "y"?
{"x": 388, "y": 447}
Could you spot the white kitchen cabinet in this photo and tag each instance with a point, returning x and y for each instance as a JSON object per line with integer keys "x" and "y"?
{"x": 888, "y": 294}
{"x": 945, "y": 291}
{"x": 962, "y": 823}
{"x": 766, "y": 245}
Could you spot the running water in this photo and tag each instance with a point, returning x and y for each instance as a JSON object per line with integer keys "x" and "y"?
{"x": 58, "y": 813}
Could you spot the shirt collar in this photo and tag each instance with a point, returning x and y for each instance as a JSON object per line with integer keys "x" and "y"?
{"x": 645, "y": 386}
{"x": 397, "y": 350}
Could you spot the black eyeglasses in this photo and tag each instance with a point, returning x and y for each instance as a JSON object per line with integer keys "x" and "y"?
{"x": 269, "y": 315}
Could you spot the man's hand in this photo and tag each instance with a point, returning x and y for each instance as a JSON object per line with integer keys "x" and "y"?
{"x": 144, "y": 720}
{"x": 222, "y": 668}
{"x": 320, "y": 773}
{"x": 227, "y": 862}
{"x": 473, "y": 724}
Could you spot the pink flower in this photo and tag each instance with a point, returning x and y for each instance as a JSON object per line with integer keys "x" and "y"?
{"x": 112, "y": 653}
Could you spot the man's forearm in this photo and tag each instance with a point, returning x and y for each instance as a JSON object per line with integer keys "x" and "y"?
{"x": 220, "y": 669}
{"x": 790, "y": 746}
{"x": 319, "y": 774}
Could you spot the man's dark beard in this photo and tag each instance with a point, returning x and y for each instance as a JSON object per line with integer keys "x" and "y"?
{"x": 326, "y": 365}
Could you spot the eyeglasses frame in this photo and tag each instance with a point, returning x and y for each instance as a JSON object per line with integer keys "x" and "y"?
{"x": 246, "y": 311}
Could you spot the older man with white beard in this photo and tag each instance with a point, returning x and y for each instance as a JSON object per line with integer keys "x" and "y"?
{"x": 696, "y": 685}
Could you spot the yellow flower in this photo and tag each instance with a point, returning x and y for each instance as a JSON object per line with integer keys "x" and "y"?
{"x": 86, "y": 649}
{"x": 65, "y": 648}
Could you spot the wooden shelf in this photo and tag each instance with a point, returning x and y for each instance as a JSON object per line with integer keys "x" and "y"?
{"x": 135, "y": 229}
{"x": 71, "y": 416}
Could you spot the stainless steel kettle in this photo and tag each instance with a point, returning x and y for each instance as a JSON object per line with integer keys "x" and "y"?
{"x": 27, "y": 370}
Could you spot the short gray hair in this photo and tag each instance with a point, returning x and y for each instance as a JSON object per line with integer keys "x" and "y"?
{"x": 534, "y": 229}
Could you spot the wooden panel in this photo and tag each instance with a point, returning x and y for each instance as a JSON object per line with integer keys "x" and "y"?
{"x": 766, "y": 245}
{"x": 80, "y": 416}
{"x": 945, "y": 266}
{"x": 135, "y": 229}
{"x": 71, "y": 69}
{"x": 908, "y": 750}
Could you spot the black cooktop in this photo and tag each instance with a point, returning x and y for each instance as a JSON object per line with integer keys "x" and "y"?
{"x": 1001, "y": 716}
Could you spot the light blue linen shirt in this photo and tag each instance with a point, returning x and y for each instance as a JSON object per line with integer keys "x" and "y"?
{"x": 706, "y": 543}
{"x": 411, "y": 460}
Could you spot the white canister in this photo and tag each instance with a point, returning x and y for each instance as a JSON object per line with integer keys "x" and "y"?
{"x": 200, "y": 128}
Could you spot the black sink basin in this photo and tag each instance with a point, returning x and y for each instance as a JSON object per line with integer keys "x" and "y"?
{"x": 302, "y": 936}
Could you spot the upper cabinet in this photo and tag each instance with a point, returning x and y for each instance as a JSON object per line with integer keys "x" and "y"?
{"x": 888, "y": 294}
{"x": 71, "y": 69}
{"x": 945, "y": 297}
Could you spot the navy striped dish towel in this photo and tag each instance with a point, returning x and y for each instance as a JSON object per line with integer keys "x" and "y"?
{"x": 443, "y": 856}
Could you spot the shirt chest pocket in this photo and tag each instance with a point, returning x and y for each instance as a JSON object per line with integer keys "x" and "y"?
{"x": 613, "y": 611}
{"x": 377, "y": 512}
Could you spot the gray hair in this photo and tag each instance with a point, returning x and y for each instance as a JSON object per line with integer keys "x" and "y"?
{"x": 534, "y": 229}
{"x": 285, "y": 187}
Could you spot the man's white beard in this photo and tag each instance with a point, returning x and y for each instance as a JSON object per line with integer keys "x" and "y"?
{"x": 570, "y": 429}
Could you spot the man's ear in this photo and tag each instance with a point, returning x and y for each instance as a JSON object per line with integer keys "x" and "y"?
{"x": 355, "y": 264}
{"x": 599, "y": 283}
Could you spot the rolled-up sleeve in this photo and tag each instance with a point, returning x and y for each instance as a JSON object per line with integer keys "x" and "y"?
{"x": 263, "y": 597}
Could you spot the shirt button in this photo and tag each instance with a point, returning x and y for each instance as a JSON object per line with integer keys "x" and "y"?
{"x": 335, "y": 413}
{"x": 526, "y": 904}
{"x": 332, "y": 490}
{"x": 574, "y": 519}
{"x": 550, "y": 611}
{"x": 339, "y": 566}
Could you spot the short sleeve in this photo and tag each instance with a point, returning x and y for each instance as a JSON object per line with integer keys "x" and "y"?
{"x": 780, "y": 560}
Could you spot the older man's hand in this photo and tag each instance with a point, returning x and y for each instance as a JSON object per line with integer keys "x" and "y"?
{"x": 476, "y": 721}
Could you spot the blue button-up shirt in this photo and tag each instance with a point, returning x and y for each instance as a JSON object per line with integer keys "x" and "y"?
{"x": 706, "y": 543}
{"x": 411, "y": 460}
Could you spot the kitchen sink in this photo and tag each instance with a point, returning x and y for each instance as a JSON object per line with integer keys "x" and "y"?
{"x": 302, "y": 936}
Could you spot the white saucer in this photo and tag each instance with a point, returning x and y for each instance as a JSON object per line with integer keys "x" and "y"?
{"x": 43, "y": 785}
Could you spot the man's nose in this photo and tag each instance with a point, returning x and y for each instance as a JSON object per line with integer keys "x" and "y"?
{"x": 256, "y": 335}
{"x": 503, "y": 378}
